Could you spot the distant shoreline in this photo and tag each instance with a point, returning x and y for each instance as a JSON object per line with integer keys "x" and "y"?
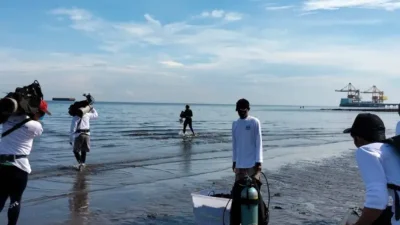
{"x": 182, "y": 103}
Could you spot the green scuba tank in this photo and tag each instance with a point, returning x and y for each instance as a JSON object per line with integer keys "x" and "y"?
{"x": 249, "y": 204}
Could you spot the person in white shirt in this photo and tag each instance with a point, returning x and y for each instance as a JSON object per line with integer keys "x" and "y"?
{"x": 15, "y": 147}
{"x": 247, "y": 157}
{"x": 379, "y": 164}
{"x": 80, "y": 135}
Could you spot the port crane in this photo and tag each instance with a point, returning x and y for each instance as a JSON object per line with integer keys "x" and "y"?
{"x": 377, "y": 95}
{"x": 352, "y": 92}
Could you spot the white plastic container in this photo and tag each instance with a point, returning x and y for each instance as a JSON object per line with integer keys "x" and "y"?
{"x": 209, "y": 210}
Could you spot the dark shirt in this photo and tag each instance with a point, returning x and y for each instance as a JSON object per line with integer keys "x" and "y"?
{"x": 188, "y": 114}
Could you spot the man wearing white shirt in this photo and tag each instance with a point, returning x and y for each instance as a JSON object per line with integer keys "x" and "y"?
{"x": 80, "y": 135}
{"x": 247, "y": 157}
{"x": 379, "y": 166}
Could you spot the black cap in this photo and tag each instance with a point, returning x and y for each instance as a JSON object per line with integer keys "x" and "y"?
{"x": 368, "y": 126}
{"x": 242, "y": 104}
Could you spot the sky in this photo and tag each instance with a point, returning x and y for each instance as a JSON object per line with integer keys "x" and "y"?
{"x": 278, "y": 52}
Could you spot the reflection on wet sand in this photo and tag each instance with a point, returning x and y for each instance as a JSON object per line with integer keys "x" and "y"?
{"x": 186, "y": 148}
{"x": 79, "y": 200}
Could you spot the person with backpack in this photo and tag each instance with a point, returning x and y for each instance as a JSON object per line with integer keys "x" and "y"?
{"x": 378, "y": 161}
{"x": 80, "y": 135}
{"x": 19, "y": 131}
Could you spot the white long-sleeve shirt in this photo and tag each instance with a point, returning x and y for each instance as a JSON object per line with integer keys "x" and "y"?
{"x": 85, "y": 123}
{"x": 379, "y": 164}
{"x": 20, "y": 141}
{"x": 247, "y": 142}
{"x": 398, "y": 128}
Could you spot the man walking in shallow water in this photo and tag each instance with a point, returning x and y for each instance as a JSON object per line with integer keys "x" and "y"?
{"x": 247, "y": 159}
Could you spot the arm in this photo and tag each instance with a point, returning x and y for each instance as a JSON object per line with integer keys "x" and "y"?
{"x": 93, "y": 114}
{"x": 35, "y": 128}
{"x": 74, "y": 124}
{"x": 233, "y": 147}
{"x": 376, "y": 193}
{"x": 259, "y": 145}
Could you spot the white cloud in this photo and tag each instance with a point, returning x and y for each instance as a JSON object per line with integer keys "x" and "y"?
{"x": 228, "y": 16}
{"x": 208, "y": 59}
{"x": 171, "y": 63}
{"x": 276, "y": 8}
{"x": 389, "y": 5}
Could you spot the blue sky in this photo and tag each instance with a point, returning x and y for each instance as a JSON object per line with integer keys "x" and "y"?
{"x": 271, "y": 52}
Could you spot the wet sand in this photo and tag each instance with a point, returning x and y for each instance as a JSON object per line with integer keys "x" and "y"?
{"x": 309, "y": 187}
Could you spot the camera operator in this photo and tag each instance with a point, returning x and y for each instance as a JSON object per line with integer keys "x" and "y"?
{"x": 15, "y": 148}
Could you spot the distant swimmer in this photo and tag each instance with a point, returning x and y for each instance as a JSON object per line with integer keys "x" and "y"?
{"x": 187, "y": 115}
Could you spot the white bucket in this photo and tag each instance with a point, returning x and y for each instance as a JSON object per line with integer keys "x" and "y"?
{"x": 209, "y": 210}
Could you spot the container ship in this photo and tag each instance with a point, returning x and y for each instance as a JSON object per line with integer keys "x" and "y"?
{"x": 354, "y": 99}
{"x": 63, "y": 99}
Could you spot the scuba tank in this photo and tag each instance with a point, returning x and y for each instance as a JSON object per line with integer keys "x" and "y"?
{"x": 249, "y": 204}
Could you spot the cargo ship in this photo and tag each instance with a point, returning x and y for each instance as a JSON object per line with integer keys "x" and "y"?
{"x": 63, "y": 99}
{"x": 354, "y": 99}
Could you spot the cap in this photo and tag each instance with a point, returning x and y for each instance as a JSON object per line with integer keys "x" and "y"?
{"x": 242, "y": 104}
{"x": 367, "y": 125}
{"x": 43, "y": 107}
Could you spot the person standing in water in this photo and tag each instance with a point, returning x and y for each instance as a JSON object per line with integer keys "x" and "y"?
{"x": 80, "y": 136}
{"x": 14, "y": 164}
{"x": 187, "y": 114}
{"x": 247, "y": 159}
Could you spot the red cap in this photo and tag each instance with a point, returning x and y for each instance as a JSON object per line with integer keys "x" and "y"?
{"x": 43, "y": 107}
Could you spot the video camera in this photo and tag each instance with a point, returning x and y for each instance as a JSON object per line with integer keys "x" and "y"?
{"x": 80, "y": 108}
{"x": 25, "y": 100}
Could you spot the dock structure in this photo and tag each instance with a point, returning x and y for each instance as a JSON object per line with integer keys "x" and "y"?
{"x": 354, "y": 99}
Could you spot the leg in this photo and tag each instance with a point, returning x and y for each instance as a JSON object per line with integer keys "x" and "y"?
{"x": 77, "y": 156}
{"x": 19, "y": 184}
{"x": 263, "y": 211}
{"x": 83, "y": 159}
{"x": 85, "y": 147}
{"x": 185, "y": 125}
{"x": 77, "y": 148}
{"x": 235, "y": 214}
{"x": 3, "y": 187}
{"x": 190, "y": 126}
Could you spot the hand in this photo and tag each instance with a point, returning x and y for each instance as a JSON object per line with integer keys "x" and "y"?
{"x": 233, "y": 167}
{"x": 70, "y": 143}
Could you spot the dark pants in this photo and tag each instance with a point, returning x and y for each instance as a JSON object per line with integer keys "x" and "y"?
{"x": 13, "y": 183}
{"x": 81, "y": 147}
{"x": 188, "y": 121}
{"x": 263, "y": 211}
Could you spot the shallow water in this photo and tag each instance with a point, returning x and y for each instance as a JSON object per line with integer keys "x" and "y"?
{"x": 140, "y": 171}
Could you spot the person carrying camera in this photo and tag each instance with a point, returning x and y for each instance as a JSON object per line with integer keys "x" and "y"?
{"x": 18, "y": 134}
{"x": 80, "y": 134}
